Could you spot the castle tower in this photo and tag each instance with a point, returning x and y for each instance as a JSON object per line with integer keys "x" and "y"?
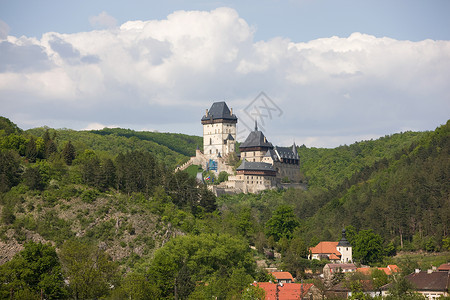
{"x": 255, "y": 147}
{"x": 345, "y": 249}
{"x": 219, "y": 131}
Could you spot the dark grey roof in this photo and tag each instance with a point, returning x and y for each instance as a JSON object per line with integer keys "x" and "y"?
{"x": 256, "y": 139}
{"x": 229, "y": 137}
{"x": 271, "y": 153}
{"x": 219, "y": 110}
{"x": 254, "y": 166}
{"x": 286, "y": 152}
{"x": 344, "y": 242}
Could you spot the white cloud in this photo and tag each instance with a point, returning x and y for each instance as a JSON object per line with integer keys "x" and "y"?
{"x": 163, "y": 73}
{"x": 103, "y": 20}
{"x": 98, "y": 126}
{"x": 4, "y": 30}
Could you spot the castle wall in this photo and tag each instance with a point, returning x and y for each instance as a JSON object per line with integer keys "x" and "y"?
{"x": 214, "y": 135}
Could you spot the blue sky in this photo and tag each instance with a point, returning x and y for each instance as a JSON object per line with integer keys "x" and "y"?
{"x": 299, "y": 20}
{"x": 339, "y": 71}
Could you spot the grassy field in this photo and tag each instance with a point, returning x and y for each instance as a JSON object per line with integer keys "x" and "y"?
{"x": 421, "y": 260}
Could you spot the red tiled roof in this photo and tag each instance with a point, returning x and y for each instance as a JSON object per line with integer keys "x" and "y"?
{"x": 394, "y": 268}
{"x": 286, "y": 291}
{"x": 282, "y": 275}
{"x": 388, "y": 270}
{"x": 325, "y": 248}
{"x": 333, "y": 257}
{"x": 365, "y": 271}
{"x": 444, "y": 267}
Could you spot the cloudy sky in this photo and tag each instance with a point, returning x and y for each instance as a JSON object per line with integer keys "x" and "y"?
{"x": 318, "y": 72}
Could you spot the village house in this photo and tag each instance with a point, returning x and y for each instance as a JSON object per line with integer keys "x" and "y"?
{"x": 283, "y": 277}
{"x": 389, "y": 270}
{"x": 431, "y": 284}
{"x": 329, "y": 270}
{"x": 336, "y": 252}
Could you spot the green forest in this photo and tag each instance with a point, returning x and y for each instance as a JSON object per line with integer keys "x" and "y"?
{"x": 102, "y": 214}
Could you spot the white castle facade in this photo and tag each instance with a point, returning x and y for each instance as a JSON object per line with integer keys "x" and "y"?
{"x": 263, "y": 165}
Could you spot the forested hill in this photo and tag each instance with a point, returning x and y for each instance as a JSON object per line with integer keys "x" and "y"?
{"x": 113, "y": 195}
{"x": 170, "y": 148}
{"x": 397, "y": 185}
{"x": 181, "y": 143}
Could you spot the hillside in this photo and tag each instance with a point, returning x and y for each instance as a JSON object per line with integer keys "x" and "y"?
{"x": 172, "y": 149}
{"x": 403, "y": 196}
{"x": 114, "y": 190}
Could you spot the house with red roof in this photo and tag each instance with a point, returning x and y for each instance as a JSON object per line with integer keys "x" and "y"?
{"x": 336, "y": 252}
{"x": 286, "y": 291}
{"x": 389, "y": 270}
{"x": 283, "y": 277}
{"x": 444, "y": 267}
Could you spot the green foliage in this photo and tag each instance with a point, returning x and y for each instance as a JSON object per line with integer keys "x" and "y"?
{"x": 180, "y": 143}
{"x": 90, "y": 270}
{"x": 402, "y": 289}
{"x": 33, "y": 179}
{"x": 53, "y": 228}
{"x": 223, "y": 176}
{"x": 68, "y": 153}
{"x": 9, "y": 170}
{"x": 282, "y": 223}
{"x": 34, "y": 269}
{"x": 367, "y": 247}
{"x": 7, "y": 127}
{"x": 253, "y": 293}
{"x": 206, "y": 258}
{"x": 8, "y": 216}
{"x": 89, "y": 196}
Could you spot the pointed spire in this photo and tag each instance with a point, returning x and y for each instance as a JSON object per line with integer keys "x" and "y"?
{"x": 294, "y": 150}
{"x": 256, "y": 125}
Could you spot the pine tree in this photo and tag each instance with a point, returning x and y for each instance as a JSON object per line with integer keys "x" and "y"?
{"x": 68, "y": 153}
{"x": 31, "y": 151}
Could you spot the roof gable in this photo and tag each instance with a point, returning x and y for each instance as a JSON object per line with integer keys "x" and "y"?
{"x": 282, "y": 276}
{"x": 433, "y": 281}
{"x": 254, "y": 166}
{"x": 219, "y": 110}
{"x": 325, "y": 248}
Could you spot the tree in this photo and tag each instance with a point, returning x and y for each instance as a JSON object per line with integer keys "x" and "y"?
{"x": 206, "y": 258}
{"x": 31, "y": 151}
{"x": 282, "y": 223}
{"x": 68, "y": 153}
{"x": 223, "y": 176}
{"x": 33, "y": 271}
{"x": 368, "y": 247}
{"x": 33, "y": 179}
{"x": 9, "y": 170}
{"x": 90, "y": 270}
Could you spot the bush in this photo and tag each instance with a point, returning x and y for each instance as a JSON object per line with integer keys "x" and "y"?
{"x": 89, "y": 196}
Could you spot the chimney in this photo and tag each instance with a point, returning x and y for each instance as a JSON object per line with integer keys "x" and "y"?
{"x": 231, "y": 111}
{"x": 206, "y": 112}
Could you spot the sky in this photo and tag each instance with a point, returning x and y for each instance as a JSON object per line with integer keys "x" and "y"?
{"x": 322, "y": 73}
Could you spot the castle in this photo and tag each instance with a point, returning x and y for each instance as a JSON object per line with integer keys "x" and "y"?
{"x": 263, "y": 165}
